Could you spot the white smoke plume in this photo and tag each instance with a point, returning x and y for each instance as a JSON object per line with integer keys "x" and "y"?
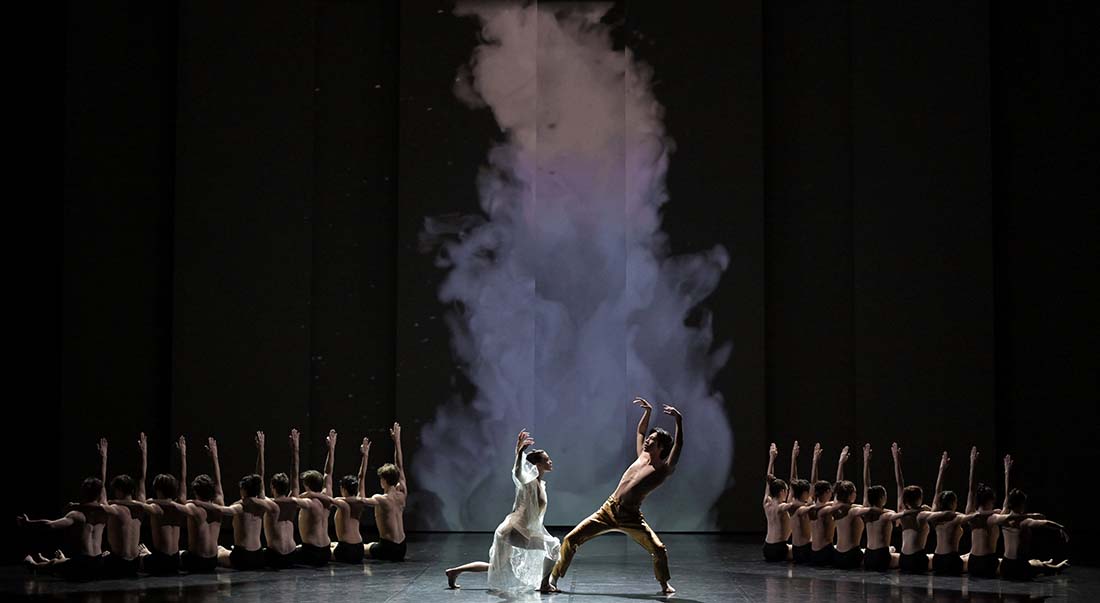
{"x": 568, "y": 301}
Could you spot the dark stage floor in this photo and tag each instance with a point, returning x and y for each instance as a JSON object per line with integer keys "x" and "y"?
{"x": 611, "y": 568}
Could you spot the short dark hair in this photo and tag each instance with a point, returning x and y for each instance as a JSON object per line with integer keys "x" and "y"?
{"x": 251, "y": 485}
{"x": 389, "y": 473}
{"x": 948, "y": 498}
{"x": 775, "y": 486}
{"x": 663, "y": 438}
{"x": 123, "y": 484}
{"x": 1017, "y": 500}
{"x": 536, "y": 456}
{"x": 844, "y": 489}
{"x": 912, "y": 496}
{"x": 203, "y": 487}
{"x": 313, "y": 480}
{"x": 985, "y": 495}
{"x": 280, "y": 484}
{"x": 876, "y": 495}
{"x": 165, "y": 485}
{"x": 350, "y": 483}
{"x": 799, "y": 487}
{"x": 90, "y": 489}
{"x": 821, "y": 487}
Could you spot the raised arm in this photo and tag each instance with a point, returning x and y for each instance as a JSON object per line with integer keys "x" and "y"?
{"x": 840, "y": 464}
{"x": 102, "y": 448}
{"x": 794, "y": 462}
{"x": 866, "y": 474}
{"x": 769, "y": 475}
{"x": 398, "y": 458}
{"x": 816, "y": 459}
{"x": 260, "y": 461}
{"x": 944, "y": 462}
{"x": 330, "y": 441}
{"x": 139, "y": 494}
{"x": 643, "y": 423}
{"x": 971, "y": 503}
{"x": 1008, "y": 469}
{"x": 678, "y": 438}
{"x": 895, "y": 450}
{"x": 212, "y": 450}
{"x": 523, "y": 440}
{"x": 294, "y": 490}
{"x": 181, "y": 445}
{"x": 364, "y": 449}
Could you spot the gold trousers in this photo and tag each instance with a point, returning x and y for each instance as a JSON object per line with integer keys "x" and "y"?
{"x": 611, "y": 517}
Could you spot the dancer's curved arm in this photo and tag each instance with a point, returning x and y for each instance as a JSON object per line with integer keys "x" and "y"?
{"x": 816, "y": 459}
{"x": 330, "y": 460}
{"x": 971, "y": 502}
{"x": 840, "y": 465}
{"x": 102, "y": 448}
{"x": 398, "y": 458}
{"x": 678, "y": 439}
{"x": 260, "y": 461}
{"x": 295, "y": 488}
{"x": 794, "y": 463}
{"x": 769, "y": 475}
{"x": 364, "y": 448}
{"x": 523, "y": 441}
{"x": 212, "y": 450}
{"x": 181, "y": 445}
{"x": 1008, "y": 469}
{"x": 895, "y": 450}
{"x": 944, "y": 462}
{"x": 866, "y": 474}
{"x": 139, "y": 493}
{"x": 643, "y": 424}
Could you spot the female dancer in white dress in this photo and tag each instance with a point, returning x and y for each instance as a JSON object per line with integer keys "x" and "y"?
{"x": 523, "y": 552}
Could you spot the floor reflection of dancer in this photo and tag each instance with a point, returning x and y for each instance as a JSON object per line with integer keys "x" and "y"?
{"x": 658, "y": 454}
{"x": 523, "y": 552}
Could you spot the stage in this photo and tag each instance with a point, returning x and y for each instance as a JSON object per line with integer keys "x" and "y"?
{"x": 705, "y": 568}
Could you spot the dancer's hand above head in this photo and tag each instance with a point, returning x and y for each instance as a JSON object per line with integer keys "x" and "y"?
{"x": 523, "y": 441}
{"x": 294, "y": 439}
{"x": 260, "y": 440}
{"x": 101, "y": 447}
{"x": 895, "y": 450}
{"x": 1008, "y": 462}
{"x": 944, "y": 461}
{"x": 643, "y": 403}
{"x": 212, "y": 447}
{"x": 671, "y": 411}
{"x": 330, "y": 439}
{"x": 866, "y": 452}
{"x": 844, "y": 455}
{"x": 365, "y": 446}
{"x": 395, "y": 432}
{"x": 773, "y": 451}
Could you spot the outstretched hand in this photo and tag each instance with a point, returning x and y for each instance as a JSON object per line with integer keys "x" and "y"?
{"x": 1008, "y": 462}
{"x": 523, "y": 440}
{"x": 944, "y": 461}
{"x": 260, "y": 440}
{"x": 212, "y": 447}
{"x": 181, "y": 445}
{"x": 643, "y": 403}
{"x": 818, "y": 450}
{"x": 795, "y": 449}
{"x": 895, "y": 450}
{"x": 142, "y": 443}
{"x": 294, "y": 438}
{"x": 671, "y": 411}
{"x": 844, "y": 455}
{"x": 330, "y": 439}
{"x": 101, "y": 446}
{"x": 973, "y": 454}
{"x": 365, "y": 446}
{"x": 866, "y": 452}
{"x": 395, "y": 431}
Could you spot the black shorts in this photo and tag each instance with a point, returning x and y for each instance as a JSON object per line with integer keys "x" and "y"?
{"x": 277, "y": 560}
{"x": 850, "y": 559}
{"x": 195, "y": 564}
{"x": 346, "y": 552}
{"x": 983, "y": 566}
{"x": 81, "y": 567}
{"x": 877, "y": 560}
{"x": 387, "y": 550}
{"x": 1016, "y": 569}
{"x": 916, "y": 563}
{"x": 316, "y": 556}
{"x": 802, "y": 553}
{"x": 161, "y": 564}
{"x": 823, "y": 556}
{"x": 115, "y": 566}
{"x": 243, "y": 559}
{"x": 950, "y": 564}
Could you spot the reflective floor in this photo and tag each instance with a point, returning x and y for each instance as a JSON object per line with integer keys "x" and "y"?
{"x": 611, "y": 568}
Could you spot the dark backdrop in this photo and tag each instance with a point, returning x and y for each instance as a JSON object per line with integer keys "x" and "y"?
{"x": 908, "y": 197}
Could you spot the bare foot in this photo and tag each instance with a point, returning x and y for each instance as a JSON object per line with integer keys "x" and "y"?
{"x": 548, "y": 588}
{"x": 667, "y": 588}
{"x": 452, "y": 575}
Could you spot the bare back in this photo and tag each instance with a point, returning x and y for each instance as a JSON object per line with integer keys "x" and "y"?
{"x": 1016, "y": 536}
{"x": 248, "y": 524}
{"x": 914, "y": 532}
{"x": 779, "y": 521}
{"x": 203, "y": 528}
{"x": 124, "y": 530}
{"x": 880, "y": 531}
{"x": 87, "y": 529}
{"x": 801, "y": 531}
{"x": 849, "y": 530}
{"x": 389, "y": 510}
{"x": 313, "y": 523}
{"x": 279, "y": 528}
{"x": 165, "y": 528}
{"x": 822, "y": 529}
{"x": 348, "y": 511}
{"x": 948, "y": 535}
{"x": 983, "y": 536}
{"x": 639, "y": 479}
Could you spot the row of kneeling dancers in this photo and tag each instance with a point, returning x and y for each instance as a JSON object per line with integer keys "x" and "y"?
{"x": 256, "y": 517}
{"x": 811, "y": 514}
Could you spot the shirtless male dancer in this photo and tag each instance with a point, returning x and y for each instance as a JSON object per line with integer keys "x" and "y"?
{"x": 124, "y": 515}
{"x": 880, "y": 556}
{"x": 912, "y": 517}
{"x": 83, "y": 524}
{"x": 278, "y": 527}
{"x": 983, "y": 561}
{"x": 349, "y": 506}
{"x": 204, "y": 514}
{"x": 946, "y": 561}
{"x": 1017, "y": 526}
{"x": 799, "y": 499}
{"x": 313, "y": 505}
{"x": 658, "y": 454}
{"x": 776, "y": 512}
{"x": 823, "y": 525}
{"x": 850, "y": 518}
{"x": 248, "y": 520}
{"x": 163, "y": 557}
{"x": 389, "y": 507}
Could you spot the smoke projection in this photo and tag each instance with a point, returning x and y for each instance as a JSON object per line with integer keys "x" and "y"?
{"x": 566, "y": 301}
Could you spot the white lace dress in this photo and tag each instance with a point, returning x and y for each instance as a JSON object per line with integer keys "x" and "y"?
{"x": 521, "y": 544}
